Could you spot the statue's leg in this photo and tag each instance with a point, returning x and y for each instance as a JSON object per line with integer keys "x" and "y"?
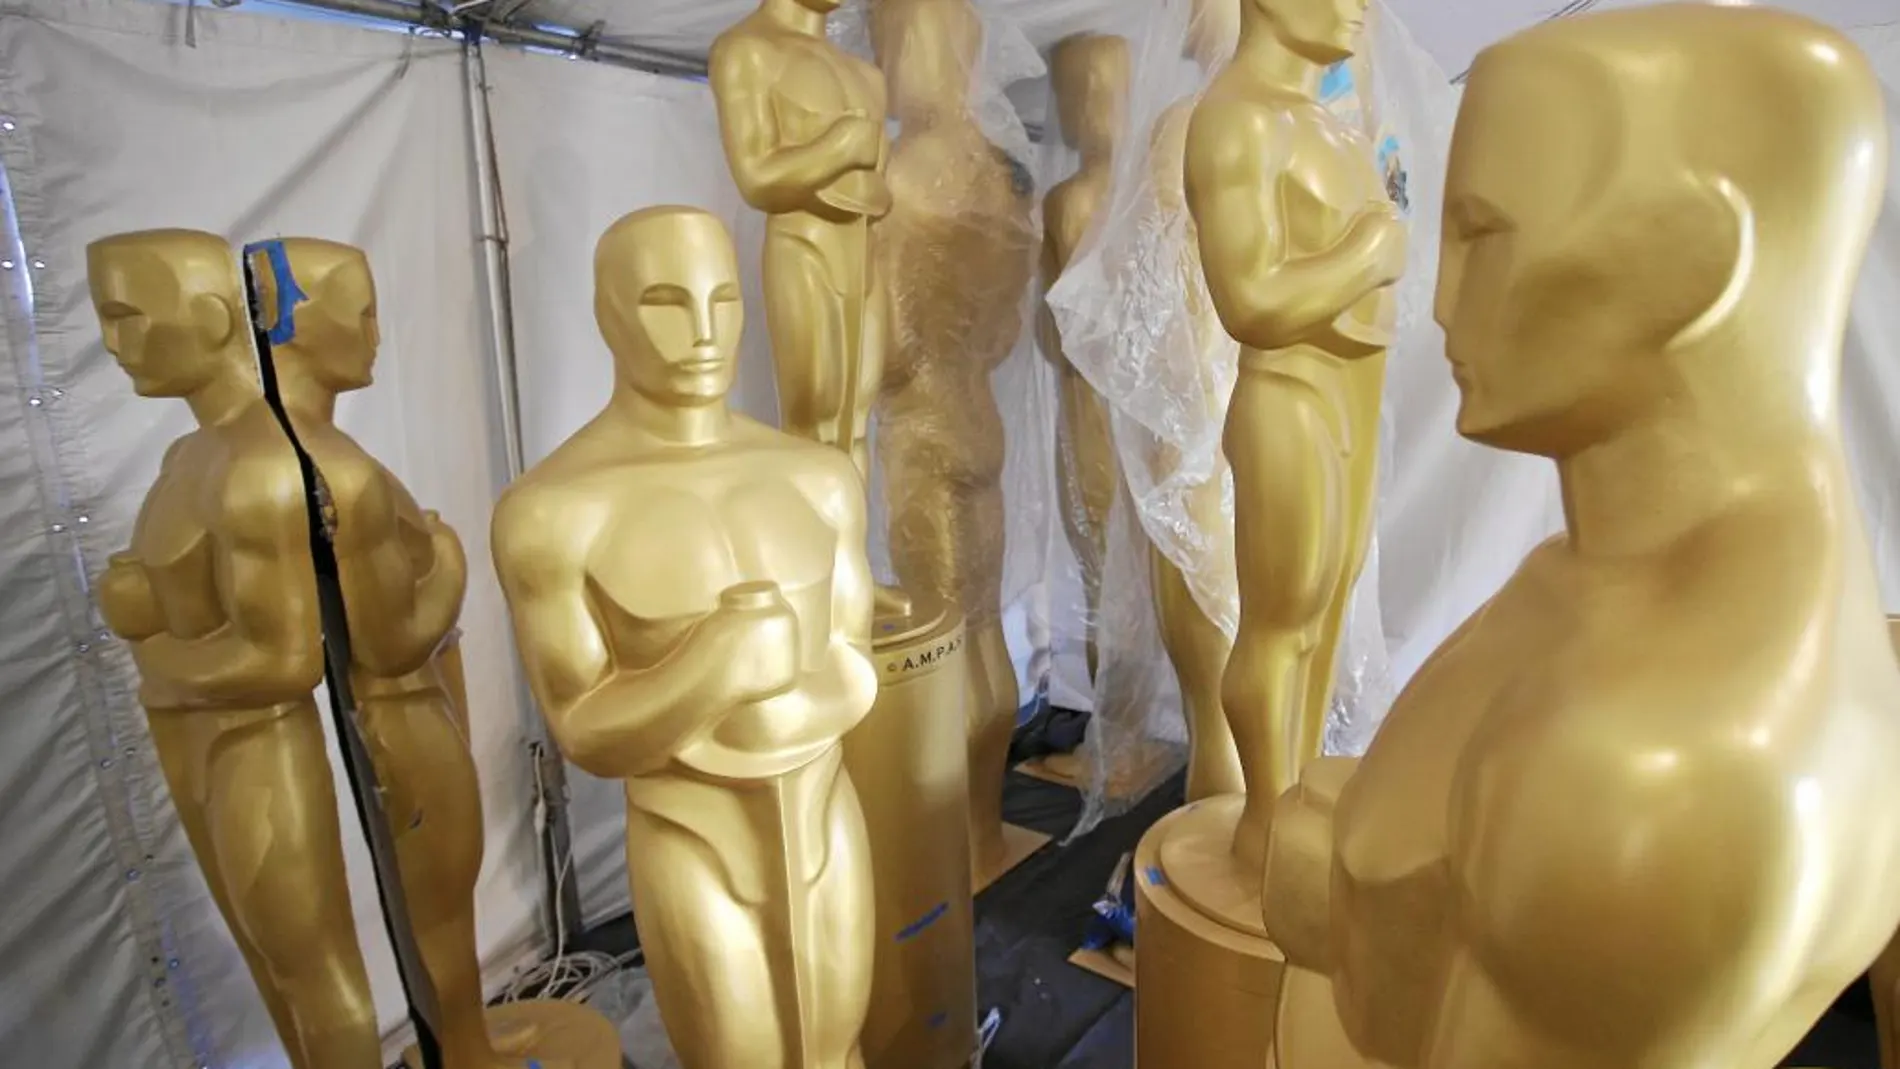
{"x": 1198, "y": 649}
{"x": 1289, "y": 508}
{"x": 279, "y": 850}
{"x": 1361, "y": 474}
{"x": 874, "y": 339}
{"x": 805, "y": 316}
{"x": 706, "y": 945}
{"x": 1087, "y": 473}
{"x": 183, "y": 741}
{"x": 841, "y": 911}
{"x": 435, "y": 810}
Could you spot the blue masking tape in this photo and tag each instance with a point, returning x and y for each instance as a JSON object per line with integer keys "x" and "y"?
{"x": 1156, "y": 878}
{"x": 289, "y": 296}
{"x": 938, "y": 1019}
{"x": 916, "y": 929}
{"x": 1336, "y": 83}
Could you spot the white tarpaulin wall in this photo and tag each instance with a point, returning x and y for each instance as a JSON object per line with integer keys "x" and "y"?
{"x": 109, "y": 121}
{"x": 265, "y": 128}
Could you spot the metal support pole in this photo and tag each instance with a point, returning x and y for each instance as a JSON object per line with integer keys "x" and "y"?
{"x": 561, "y": 904}
{"x": 555, "y": 39}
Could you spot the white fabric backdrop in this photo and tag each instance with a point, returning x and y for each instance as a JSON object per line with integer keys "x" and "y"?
{"x": 265, "y": 128}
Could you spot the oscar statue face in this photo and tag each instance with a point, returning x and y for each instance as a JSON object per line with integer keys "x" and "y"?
{"x": 669, "y": 308}
{"x": 1322, "y": 31}
{"x": 1563, "y": 288}
{"x": 164, "y": 308}
{"x": 336, "y": 327}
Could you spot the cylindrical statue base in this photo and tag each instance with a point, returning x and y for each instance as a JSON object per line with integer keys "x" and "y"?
{"x": 548, "y": 1032}
{"x": 1207, "y": 977}
{"x": 910, "y": 763}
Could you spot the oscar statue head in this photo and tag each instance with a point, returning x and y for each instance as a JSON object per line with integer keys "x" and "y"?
{"x": 667, "y": 299}
{"x": 171, "y": 309}
{"x": 1656, "y": 210}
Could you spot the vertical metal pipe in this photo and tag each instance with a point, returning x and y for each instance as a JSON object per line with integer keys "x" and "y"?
{"x": 561, "y": 904}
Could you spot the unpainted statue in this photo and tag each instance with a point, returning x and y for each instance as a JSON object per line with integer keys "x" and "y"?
{"x": 1300, "y": 247}
{"x": 1640, "y": 809}
{"x": 692, "y": 599}
{"x": 1090, "y": 75}
{"x": 959, "y": 248}
{"x": 803, "y": 126}
{"x": 217, "y": 598}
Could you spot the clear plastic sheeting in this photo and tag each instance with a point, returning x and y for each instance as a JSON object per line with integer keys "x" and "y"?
{"x": 958, "y": 252}
{"x": 1136, "y": 322}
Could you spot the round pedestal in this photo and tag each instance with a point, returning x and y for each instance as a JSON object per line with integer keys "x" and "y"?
{"x": 1207, "y": 977}
{"x": 558, "y": 1035}
{"x": 909, "y": 760}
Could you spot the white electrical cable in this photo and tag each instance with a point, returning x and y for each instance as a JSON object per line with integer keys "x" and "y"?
{"x": 567, "y": 977}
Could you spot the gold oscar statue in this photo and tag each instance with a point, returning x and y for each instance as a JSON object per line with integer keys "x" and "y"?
{"x": 1195, "y": 644}
{"x": 1299, "y": 246}
{"x": 803, "y": 127}
{"x": 217, "y": 598}
{"x": 1640, "y": 809}
{"x": 1090, "y": 75}
{"x": 959, "y": 249}
{"x": 403, "y": 575}
{"x": 692, "y": 600}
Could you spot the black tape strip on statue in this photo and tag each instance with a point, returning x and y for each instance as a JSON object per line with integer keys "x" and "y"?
{"x": 357, "y": 764}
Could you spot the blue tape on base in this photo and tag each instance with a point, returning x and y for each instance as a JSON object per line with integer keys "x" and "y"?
{"x": 938, "y": 1019}
{"x": 1156, "y": 878}
{"x": 289, "y": 296}
{"x": 917, "y": 928}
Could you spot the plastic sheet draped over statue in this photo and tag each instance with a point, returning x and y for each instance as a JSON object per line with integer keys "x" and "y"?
{"x": 1136, "y": 321}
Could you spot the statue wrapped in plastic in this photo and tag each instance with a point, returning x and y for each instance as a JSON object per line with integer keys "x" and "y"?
{"x": 959, "y": 250}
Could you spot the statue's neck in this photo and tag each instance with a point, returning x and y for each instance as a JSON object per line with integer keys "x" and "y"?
{"x": 671, "y": 424}
{"x": 302, "y": 395}
{"x": 795, "y": 16}
{"x": 1264, "y": 59}
{"x": 1646, "y": 488}
{"x": 226, "y": 397}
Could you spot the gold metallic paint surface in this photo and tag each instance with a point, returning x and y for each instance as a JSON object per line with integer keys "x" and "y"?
{"x": 1089, "y": 74}
{"x": 217, "y": 598}
{"x": 908, "y": 762}
{"x": 1640, "y": 809}
{"x": 404, "y": 575}
{"x": 1196, "y": 645}
{"x": 1300, "y": 247}
{"x": 803, "y": 126}
{"x": 1204, "y": 986}
{"x": 958, "y": 248}
{"x": 692, "y": 600}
